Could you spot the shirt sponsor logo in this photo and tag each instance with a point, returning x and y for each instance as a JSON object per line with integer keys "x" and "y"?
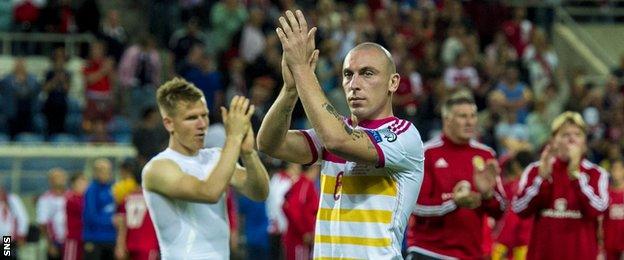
{"x": 375, "y": 135}
{"x": 560, "y": 206}
{"x": 441, "y": 163}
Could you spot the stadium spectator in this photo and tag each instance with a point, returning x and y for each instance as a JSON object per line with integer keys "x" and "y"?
{"x": 517, "y": 94}
{"x": 565, "y": 193}
{"x": 139, "y": 73}
{"x": 253, "y": 40}
{"x": 58, "y": 17}
{"x": 99, "y": 206}
{"x": 541, "y": 61}
{"x": 183, "y": 39}
{"x": 613, "y": 223}
{"x": 51, "y": 213}
{"x": 13, "y": 219}
{"x": 461, "y": 186}
{"x": 518, "y": 30}
{"x": 99, "y": 75}
{"x": 227, "y": 17}
{"x": 74, "y": 207}
{"x": 300, "y": 208}
{"x": 204, "y": 74}
{"x": 462, "y": 74}
{"x": 114, "y": 34}
{"x": 19, "y": 93}
{"x": 56, "y": 89}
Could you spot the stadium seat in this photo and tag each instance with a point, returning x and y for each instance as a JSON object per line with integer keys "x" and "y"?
{"x": 64, "y": 139}
{"x": 29, "y": 138}
{"x": 4, "y": 138}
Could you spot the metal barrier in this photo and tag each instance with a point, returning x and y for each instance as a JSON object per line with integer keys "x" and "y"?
{"x": 19, "y": 153}
{"x": 72, "y": 41}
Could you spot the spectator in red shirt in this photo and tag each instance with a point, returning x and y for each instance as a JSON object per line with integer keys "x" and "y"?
{"x": 99, "y": 74}
{"x": 73, "y": 210}
{"x": 460, "y": 188}
{"x": 300, "y": 206}
{"x": 136, "y": 237}
{"x": 613, "y": 224}
{"x": 565, "y": 193}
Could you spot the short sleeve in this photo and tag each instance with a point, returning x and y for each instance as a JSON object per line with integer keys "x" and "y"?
{"x": 399, "y": 148}
{"x": 314, "y": 143}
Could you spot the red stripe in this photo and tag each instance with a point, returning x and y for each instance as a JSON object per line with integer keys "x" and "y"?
{"x": 396, "y": 124}
{"x": 381, "y": 159}
{"x": 312, "y": 147}
{"x": 401, "y": 126}
{"x": 404, "y": 129}
{"x": 327, "y": 156}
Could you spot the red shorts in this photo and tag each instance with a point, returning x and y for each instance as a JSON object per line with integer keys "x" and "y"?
{"x": 143, "y": 254}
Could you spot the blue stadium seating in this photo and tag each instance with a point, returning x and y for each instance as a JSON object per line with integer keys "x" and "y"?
{"x": 29, "y": 138}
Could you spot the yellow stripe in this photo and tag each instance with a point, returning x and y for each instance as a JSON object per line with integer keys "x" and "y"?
{"x": 368, "y": 185}
{"x": 361, "y": 241}
{"x": 355, "y": 215}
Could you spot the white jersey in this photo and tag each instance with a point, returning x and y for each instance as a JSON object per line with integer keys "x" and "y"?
{"x": 13, "y": 217}
{"x": 51, "y": 213}
{"x": 364, "y": 209}
{"x": 189, "y": 230}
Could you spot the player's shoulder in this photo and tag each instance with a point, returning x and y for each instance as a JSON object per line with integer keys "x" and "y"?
{"x": 434, "y": 144}
{"x": 399, "y": 129}
{"x": 481, "y": 147}
{"x": 593, "y": 168}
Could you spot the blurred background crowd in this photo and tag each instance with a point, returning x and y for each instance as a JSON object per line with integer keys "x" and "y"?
{"x": 101, "y": 90}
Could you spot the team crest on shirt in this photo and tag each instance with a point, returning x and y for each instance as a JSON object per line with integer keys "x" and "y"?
{"x": 388, "y": 135}
{"x": 561, "y": 204}
{"x": 441, "y": 163}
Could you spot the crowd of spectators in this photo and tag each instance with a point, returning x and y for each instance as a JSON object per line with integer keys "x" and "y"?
{"x": 229, "y": 47}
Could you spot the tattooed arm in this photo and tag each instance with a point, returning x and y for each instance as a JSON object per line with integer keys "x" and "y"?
{"x": 274, "y": 138}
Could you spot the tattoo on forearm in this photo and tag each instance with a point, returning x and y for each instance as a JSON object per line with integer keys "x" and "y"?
{"x": 332, "y": 111}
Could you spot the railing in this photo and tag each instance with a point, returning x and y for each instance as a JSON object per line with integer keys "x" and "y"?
{"x": 564, "y": 18}
{"x": 72, "y": 42}
{"x": 17, "y": 154}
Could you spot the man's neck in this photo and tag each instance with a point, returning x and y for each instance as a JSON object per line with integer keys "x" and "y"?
{"x": 455, "y": 139}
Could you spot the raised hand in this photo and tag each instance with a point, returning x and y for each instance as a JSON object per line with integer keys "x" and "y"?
{"x": 485, "y": 176}
{"x": 297, "y": 41}
{"x": 249, "y": 142}
{"x": 237, "y": 119}
{"x": 545, "y": 167}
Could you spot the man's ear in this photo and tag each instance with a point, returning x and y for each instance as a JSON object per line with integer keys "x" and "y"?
{"x": 394, "y": 82}
{"x": 168, "y": 123}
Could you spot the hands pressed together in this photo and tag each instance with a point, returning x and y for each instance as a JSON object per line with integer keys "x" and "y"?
{"x": 237, "y": 122}
{"x": 484, "y": 178}
{"x": 298, "y": 45}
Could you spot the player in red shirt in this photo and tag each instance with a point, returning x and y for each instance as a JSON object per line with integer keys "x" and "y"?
{"x": 565, "y": 194}
{"x": 136, "y": 237}
{"x": 300, "y": 206}
{"x": 511, "y": 232}
{"x": 613, "y": 224}
{"x": 461, "y": 186}
{"x": 73, "y": 210}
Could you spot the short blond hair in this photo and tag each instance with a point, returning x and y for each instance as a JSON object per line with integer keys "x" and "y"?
{"x": 174, "y": 91}
{"x": 462, "y": 96}
{"x": 568, "y": 117}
